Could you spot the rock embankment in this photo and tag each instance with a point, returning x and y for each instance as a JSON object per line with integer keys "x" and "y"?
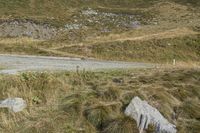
{"x": 26, "y": 28}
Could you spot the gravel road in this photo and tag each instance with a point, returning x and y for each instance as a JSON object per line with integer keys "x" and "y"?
{"x": 13, "y": 64}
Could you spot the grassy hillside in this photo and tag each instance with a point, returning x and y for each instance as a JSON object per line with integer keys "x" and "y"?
{"x": 131, "y": 30}
{"x": 95, "y": 101}
{"x": 183, "y": 49}
{"x": 60, "y": 12}
{"x": 155, "y": 50}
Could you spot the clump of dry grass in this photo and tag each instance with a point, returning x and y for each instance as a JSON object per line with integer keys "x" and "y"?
{"x": 191, "y": 108}
{"x": 72, "y": 104}
{"x": 121, "y": 125}
{"x": 2, "y": 67}
{"x": 98, "y": 116}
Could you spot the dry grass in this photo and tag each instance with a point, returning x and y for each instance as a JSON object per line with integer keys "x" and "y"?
{"x": 22, "y": 40}
{"x": 180, "y": 44}
{"x": 183, "y": 49}
{"x": 180, "y": 65}
{"x": 163, "y": 23}
{"x": 95, "y": 101}
{"x": 2, "y": 67}
{"x": 143, "y": 34}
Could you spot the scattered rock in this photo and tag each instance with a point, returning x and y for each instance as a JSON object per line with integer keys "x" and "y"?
{"x": 14, "y": 104}
{"x": 105, "y": 30}
{"x": 73, "y": 26}
{"x": 134, "y": 24}
{"x": 26, "y": 28}
{"x": 105, "y": 19}
{"x": 89, "y": 11}
{"x": 118, "y": 80}
{"x": 144, "y": 114}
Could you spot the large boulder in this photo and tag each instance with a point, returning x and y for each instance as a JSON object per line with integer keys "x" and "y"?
{"x": 145, "y": 114}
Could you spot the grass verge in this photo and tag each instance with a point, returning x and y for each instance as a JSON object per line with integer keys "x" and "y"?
{"x": 95, "y": 101}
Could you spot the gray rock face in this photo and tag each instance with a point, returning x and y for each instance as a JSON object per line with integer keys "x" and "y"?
{"x": 14, "y": 104}
{"x": 144, "y": 114}
{"x": 26, "y": 28}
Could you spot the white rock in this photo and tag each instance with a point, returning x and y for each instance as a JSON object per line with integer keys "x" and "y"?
{"x": 73, "y": 26}
{"x": 144, "y": 114}
{"x": 90, "y": 12}
{"x": 14, "y": 104}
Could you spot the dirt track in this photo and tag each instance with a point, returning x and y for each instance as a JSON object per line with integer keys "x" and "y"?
{"x": 13, "y": 64}
{"x": 178, "y": 32}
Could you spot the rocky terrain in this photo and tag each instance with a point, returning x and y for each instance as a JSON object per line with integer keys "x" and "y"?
{"x": 26, "y": 28}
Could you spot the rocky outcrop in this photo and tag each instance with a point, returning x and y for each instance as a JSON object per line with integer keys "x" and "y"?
{"x": 26, "y": 28}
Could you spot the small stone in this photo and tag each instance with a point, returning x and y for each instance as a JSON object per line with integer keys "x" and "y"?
{"x": 14, "y": 104}
{"x": 118, "y": 80}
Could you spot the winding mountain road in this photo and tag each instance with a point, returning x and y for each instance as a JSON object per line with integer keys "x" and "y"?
{"x": 13, "y": 64}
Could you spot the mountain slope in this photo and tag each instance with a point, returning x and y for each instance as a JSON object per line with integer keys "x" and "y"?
{"x": 102, "y": 29}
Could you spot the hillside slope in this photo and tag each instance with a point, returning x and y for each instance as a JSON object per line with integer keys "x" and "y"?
{"x": 131, "y": 30}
